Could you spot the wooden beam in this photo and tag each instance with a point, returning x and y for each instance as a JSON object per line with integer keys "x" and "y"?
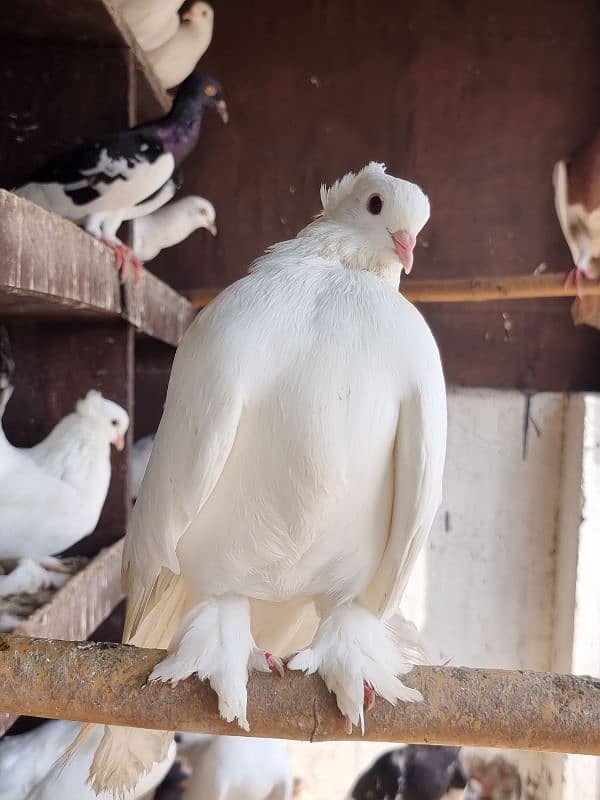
{"x": 466, "y": 290}
{"x": 49, "y": 267}
{"x": 77, "y": 608}
{"x": 105, "y": 683}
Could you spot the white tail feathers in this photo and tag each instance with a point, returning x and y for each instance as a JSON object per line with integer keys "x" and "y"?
{"x": 124, "y": 756}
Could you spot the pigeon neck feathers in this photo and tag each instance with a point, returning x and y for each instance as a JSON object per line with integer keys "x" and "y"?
{"x": 369, "y": 221}
{"x": 180, "y": 128}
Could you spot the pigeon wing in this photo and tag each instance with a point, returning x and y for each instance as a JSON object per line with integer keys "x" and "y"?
{"x": 419, "y": 455}
{"x": 105, "y": 175}
{"x": 187, "y": 459}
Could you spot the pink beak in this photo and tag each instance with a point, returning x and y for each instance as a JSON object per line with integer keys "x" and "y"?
{"x": 119, "y": 442}
{"x": 404, "y": 244}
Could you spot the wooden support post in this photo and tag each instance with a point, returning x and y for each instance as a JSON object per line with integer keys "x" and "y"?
{"x": 96, "y": 682}
{"x": 466, "y": 290}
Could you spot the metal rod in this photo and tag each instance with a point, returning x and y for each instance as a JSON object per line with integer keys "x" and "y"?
{"x": 105, "y": 683}
{"x": 466, "y": 290}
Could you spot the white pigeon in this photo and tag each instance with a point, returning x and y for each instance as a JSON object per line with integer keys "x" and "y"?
{"x": 295, "y": 474}
{"x": 31, "y": 766}
{"x": 51, "y": 495}
{"x": 238, "y": 768}
{"x": 153, "y": 22}
{"x": 171, "y": 225}
{"x": 174, "y": 60}
{"x": 140, "y": 457}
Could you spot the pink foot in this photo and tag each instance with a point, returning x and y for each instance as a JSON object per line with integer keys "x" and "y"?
{"x": 124, "y": 256}
{"x": 274, "y": 663}
{"x": 369, "y": 696}
{"x": 575, "y": 276}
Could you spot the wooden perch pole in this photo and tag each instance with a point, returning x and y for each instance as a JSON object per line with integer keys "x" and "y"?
{"x": 105, "y": 683}
{"x": 466, "y": 290}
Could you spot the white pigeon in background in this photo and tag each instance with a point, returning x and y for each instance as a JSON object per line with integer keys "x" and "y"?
{"x": 172, "y": 224}
{"x": 174, "y": 60}
{"x": 51, "y": 495}
{"x": 238, "y": 768}
{"x": 153, "y": 22}
{"x": 296, "y": 472}
{"x": 31, "y": 769}
{"x": 140, "y": 456}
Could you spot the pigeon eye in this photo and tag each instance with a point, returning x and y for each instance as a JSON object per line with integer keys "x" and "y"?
{"x": 202, "y": 212}
{"x": 114, "y": 422}
{"x": 210, "y": 91}
{"x": 374, "y": 204}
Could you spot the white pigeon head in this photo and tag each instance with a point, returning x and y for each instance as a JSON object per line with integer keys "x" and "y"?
{"x": 382, "y": 217}
{"x": 200, "y": 213}
{"x": 200, "y": 14}
{"x": 108, "y": 417}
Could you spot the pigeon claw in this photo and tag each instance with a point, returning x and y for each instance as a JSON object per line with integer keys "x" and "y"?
{"x": 124, "y": 257}
{"x": 274, "y": 664}
{"x": 575, "y": 277}
{"x": 369, "y": 696}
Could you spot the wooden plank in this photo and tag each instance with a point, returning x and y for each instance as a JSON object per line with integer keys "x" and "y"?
{"x": 466, "y": 290}
{"x": 78, "y": 607}
{"x": 157, "y": 309}
{"x": 478, "y": 707}
{"x": 473, "y": 107}
{"x": 50, "y": 266}
{"x": 49, "y": 259}
{"x": 95, "y": 23}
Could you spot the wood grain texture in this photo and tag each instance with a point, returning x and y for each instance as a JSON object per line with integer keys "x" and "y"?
{"x": 467, "y": 97}
{"x": 77, "y": 608}
{"x": 494, "y": 708}
{"x": 95, "y": 24}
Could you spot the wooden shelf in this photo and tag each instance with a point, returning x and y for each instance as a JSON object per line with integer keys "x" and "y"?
{"x": 78, "y": 607}
{"x": 93, "y": 22}
{"x": 50, "y": 267}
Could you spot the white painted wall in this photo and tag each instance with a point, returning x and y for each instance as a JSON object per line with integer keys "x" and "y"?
{"x": 582, "y": 773}
{"x": 487, "y": 591}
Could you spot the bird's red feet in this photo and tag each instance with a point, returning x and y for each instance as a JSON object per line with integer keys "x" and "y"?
{"x": 274, "y": 664}
{"x": 575, "y": 277}
{"x": 124, "y": 256}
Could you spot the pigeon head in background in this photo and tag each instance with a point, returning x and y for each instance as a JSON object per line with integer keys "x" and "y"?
{"x": 370, "y": 220}
{"x": 201, "y": 213}
{"x": 200, "y": 12}
{"x": 109, "y": 418}
{"x": 180, "y": 129}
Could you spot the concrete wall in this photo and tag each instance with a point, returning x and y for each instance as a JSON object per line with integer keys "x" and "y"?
{"x": 496, "y": 584}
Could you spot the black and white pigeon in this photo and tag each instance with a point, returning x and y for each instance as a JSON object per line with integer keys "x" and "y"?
{"x": 103, "y": 182}
{"x": 415, "y": 772}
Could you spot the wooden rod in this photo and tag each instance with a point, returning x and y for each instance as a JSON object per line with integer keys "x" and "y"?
{"x": 466, "y": 290}
{"x": 105, "y": 683}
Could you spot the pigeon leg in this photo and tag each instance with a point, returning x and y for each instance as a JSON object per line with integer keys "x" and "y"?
{"x": 29, "y": 577}
{"x": 120, "y": 251}
{"x": 570, "y": 278}
{"x": 357, "y": 655}
{"x": 576, "y": 277}
{"x": 214, "y": 641}
{"x": 264, "y": 661}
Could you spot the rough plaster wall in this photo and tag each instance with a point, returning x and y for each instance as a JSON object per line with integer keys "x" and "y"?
{"x": 582, "y": 773}
{"x": 483, "y": 590}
